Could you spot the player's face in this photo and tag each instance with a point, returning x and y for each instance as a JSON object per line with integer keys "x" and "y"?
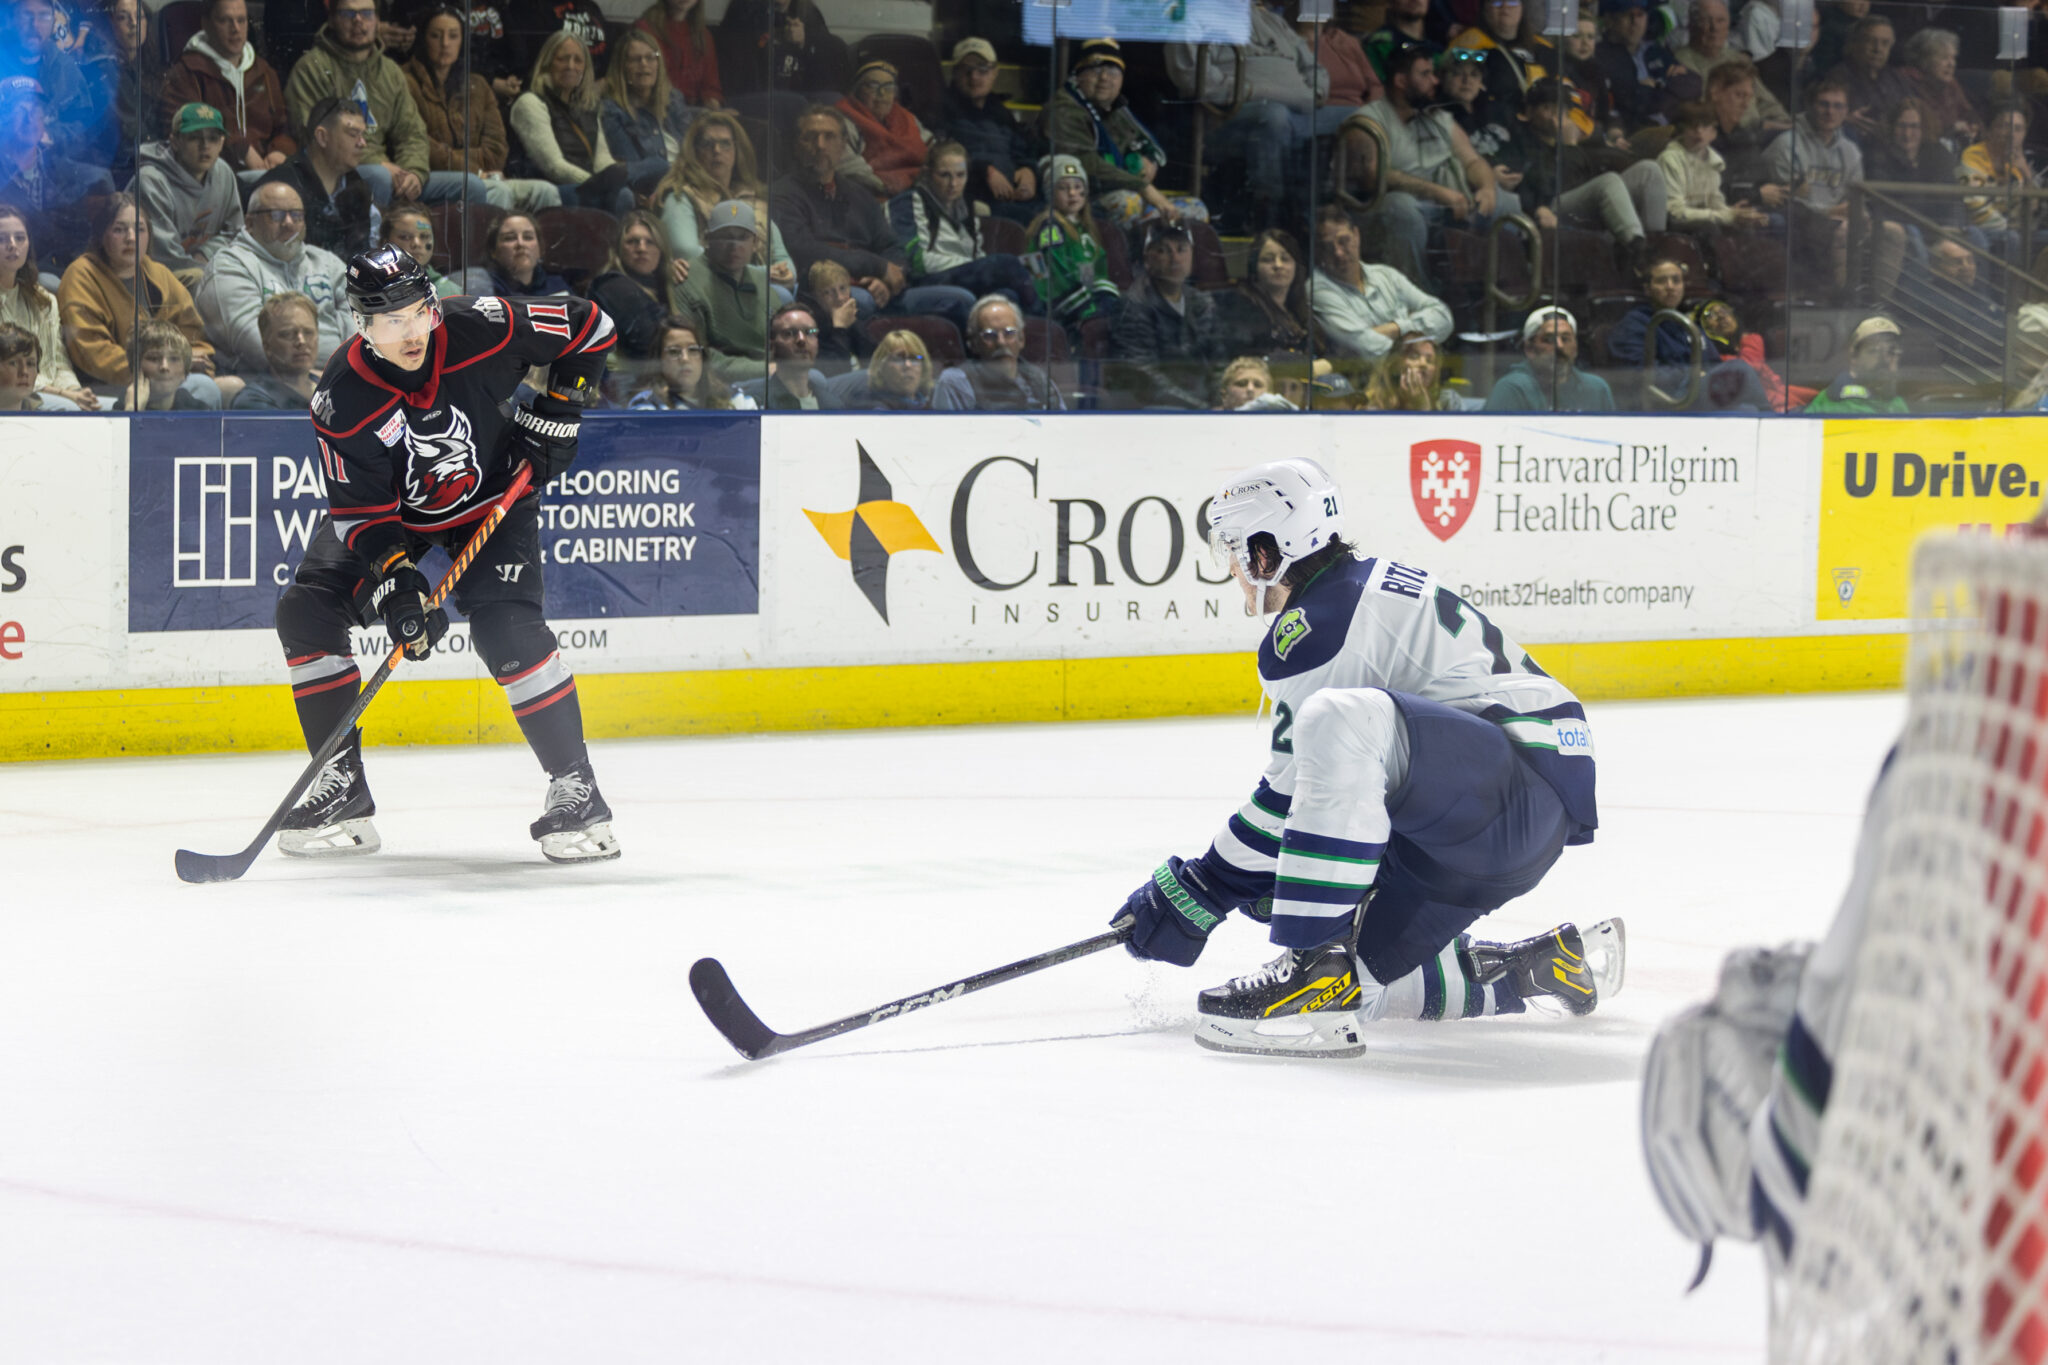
{"x": 401, "y": 336}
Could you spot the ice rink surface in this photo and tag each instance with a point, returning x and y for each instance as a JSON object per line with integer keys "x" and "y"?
{"x": 450, "y": 1103}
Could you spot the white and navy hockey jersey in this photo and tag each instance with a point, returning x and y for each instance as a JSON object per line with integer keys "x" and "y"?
{"x": 1372, "y": 622}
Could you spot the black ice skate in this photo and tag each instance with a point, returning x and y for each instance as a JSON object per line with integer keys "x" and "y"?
{"x": 1578, "y": 970}
{"x": 576, "y": 826}
{"x": 1302, "y": 1003}
{"x": 332, "y": 820}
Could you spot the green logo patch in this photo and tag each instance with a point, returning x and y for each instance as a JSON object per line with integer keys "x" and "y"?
{"x": 1290, "y": 630}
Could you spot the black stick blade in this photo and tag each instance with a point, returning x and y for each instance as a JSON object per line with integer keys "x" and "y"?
{"x": 729, "y": 1014}
{"x": 208, "y": 867}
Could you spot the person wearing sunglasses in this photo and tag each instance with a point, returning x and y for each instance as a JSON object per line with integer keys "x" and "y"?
{"x": 997, "y": 378}
{"x": 271, "y": 256}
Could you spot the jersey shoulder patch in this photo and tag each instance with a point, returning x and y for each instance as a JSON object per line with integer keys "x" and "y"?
{"x": 1310, "y": 632}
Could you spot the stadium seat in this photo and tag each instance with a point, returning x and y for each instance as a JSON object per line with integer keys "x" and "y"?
{"x": 455, "y": 232}
{"x": 1045, "y": 343}
{"x": 1116, "y": 250}
{"x": 1004, "y": 237}
{"x": 176, "y": 23}
{"x": 920, "y": 84}
{"x": 1755, "y": 265}
{"x": 576, "y": 243}
{"x": 1582, "y": 262}
{"x": 941, "y": 338}
{"x": 1212, "y": 268}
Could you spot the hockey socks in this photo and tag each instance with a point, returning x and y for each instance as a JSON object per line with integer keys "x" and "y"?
{"x": 1443, "y": 988}
{"x": 324, "y": 686}
{"x": 543, "y": 698}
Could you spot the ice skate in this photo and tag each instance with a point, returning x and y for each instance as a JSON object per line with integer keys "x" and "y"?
{"x": 1577, "y": 969}
{"x": 576, "y": 826}
{"x": 332, "y": 820}
{"x": 1302, "y": 1003}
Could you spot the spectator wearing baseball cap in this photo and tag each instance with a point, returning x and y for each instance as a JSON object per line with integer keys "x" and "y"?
{"x": 1166, "y": 341}
{"x": 51, "y": 188}
{"x": 190, "y": 193}
{"x": 1549, "y": 379}
{"x": 1871, "y": 382}
{"x": 1089, "y": 115}
{"x": 1001, "y": 147}
{"x": 80, "y": 122}
{"x": 729, "y": 295}
{"x": 1637, "y": 68}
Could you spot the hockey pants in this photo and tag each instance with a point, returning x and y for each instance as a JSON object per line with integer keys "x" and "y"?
{"x": 1432, "y": 810}
{"x": 502, "y": 595}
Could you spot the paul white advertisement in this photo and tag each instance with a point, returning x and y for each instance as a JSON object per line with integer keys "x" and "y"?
{"x": 892, "y": 539}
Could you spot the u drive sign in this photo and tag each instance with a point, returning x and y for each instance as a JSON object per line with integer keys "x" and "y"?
{"x": 659, "y": 517}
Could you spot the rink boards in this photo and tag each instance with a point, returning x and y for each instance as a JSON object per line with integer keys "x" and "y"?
{"x": 730, "y": 573}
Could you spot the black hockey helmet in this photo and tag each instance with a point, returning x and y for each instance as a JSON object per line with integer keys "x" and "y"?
{"x": 386, "y": 279}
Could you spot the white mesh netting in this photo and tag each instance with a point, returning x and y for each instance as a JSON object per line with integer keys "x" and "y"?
{"x": 1924, "y": 1234}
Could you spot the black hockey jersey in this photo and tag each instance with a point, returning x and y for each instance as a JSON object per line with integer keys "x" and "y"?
{"x": 425, "y": 450}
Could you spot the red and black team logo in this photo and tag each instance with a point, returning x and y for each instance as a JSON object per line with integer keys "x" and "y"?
{"x": 441, "y": 468}
{"x": 1444, "y": 478}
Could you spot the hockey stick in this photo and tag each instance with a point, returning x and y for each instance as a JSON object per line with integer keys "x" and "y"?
{"x": 225, "y": 867}
{"x": 754, "y": 1040}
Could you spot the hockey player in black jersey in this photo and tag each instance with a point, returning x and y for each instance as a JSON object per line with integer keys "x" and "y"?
{"x": 418, "y": 437}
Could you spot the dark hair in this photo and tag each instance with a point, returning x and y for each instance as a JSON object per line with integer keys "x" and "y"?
{"x": 1729, "y": 72}
{"x": 1296, "y": 303}
{"x": 788, "y": 308}
{"x": 498, "y": 221}
{"x": 105, "y": 209}
{"x": 1835, "y": 82}
{"x": 327, "y": 109}
{"x": 206, "y": 10}
{"x": 812, "y": 111}
{"x": 27, "y": 281}
{"x": 1696, "y": 114}
{"x": 16, "y": 340}
{"x": 453, "y": 84}
{"x": 1333, "y": 215}
{"x": 1263, "y": 546}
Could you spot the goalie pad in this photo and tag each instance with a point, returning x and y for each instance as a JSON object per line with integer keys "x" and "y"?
{"x": 1709, "y": 1073}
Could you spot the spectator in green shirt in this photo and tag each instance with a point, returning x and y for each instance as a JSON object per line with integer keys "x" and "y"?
{"x": 1872, "y": 379}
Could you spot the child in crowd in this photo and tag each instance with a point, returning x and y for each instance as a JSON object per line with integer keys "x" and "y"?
{"x": 21, "y": 357}
{"x": 1692, "y": 176}
{"x": 1071, "y": 266}
{"x": 160, "y": 358}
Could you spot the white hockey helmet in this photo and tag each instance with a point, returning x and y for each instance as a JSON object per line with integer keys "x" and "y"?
{"x": 1294, "y": 501}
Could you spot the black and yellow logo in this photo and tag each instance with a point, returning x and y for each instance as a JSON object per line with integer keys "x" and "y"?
{"x": 877, "y": 527}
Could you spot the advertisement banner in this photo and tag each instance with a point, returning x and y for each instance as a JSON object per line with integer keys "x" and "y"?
{"x": 901, "y": 538}
{"x": 58, "y": 547}
{"x": 1882, "y": 484}
{"x": 655, "y": 520}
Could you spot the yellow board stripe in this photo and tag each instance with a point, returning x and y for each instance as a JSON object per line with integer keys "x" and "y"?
{"x": 189, "y": 720}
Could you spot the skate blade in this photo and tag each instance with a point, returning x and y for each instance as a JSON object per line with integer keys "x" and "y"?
{"x": 1330, "y": 1034}
{"x": 593, "y": 845}
{"x": 1606, "y": 945}
{"x": 345, "y": 839}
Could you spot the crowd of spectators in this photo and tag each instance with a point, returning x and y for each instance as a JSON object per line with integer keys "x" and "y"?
{"x": 777, "y": 219}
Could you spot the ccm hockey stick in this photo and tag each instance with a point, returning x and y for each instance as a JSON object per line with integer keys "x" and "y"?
{"x": 754, "y": 1040}
{"x": 225, "y": 867}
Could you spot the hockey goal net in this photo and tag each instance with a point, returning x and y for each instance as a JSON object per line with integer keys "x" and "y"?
{"x": 1925, "y": 1233}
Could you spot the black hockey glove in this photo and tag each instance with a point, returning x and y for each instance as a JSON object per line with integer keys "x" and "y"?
{"x": 545, "y": 435}
{"x": 1175, "y": 911}
{"x": 401, "y": 599}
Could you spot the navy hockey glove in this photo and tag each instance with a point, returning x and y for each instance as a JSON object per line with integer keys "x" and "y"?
{"x": 545, "y": 435}
{"x": 401, "y": 599}
{"x": 1174, "y": 913}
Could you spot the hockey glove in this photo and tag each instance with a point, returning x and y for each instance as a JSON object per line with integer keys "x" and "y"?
{"x": 1174, "y": 913}
{"x": 545, "y": 435}
{"x": 401, "y": 599}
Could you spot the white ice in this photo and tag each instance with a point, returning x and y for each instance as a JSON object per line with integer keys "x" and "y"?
{"x": 450, "y": 1103}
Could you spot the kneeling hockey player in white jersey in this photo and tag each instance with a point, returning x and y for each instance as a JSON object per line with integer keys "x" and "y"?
{"x": 1424, "y": 772}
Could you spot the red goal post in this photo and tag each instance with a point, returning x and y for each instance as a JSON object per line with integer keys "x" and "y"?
{"x": 1924, "y": 1238}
